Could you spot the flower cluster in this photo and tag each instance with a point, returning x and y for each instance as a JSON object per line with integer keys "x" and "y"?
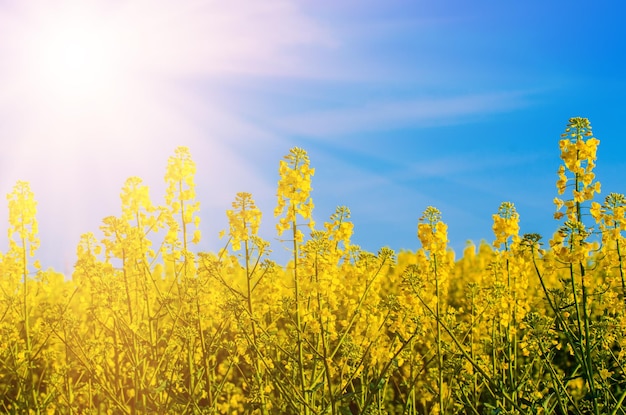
{"x": 147, "y": 325}
{"x": 578, "y": 152}
{"x": 505, "y": 224}
{"x": 294, "y": 192}
{"x": 244, "y": 220}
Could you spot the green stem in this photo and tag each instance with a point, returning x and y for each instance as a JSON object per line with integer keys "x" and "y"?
{"x": 299, "y": 333}
{"x": 621, "y": 269}
{"x": 439, "y": 352}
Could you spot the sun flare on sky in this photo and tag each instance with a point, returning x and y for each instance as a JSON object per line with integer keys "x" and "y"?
{"x": 72, "y": 72}
{"x": 98, "y": 81}
{"x": 74, "y": 56}
{"x": 121, "y": 71}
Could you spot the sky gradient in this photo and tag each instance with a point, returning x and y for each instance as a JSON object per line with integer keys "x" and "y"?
{"x": 400, "y": 104}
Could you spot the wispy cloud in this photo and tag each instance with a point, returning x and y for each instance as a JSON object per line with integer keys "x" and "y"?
{"x": 392, "y": 114}
{"x": 458, "y": 165}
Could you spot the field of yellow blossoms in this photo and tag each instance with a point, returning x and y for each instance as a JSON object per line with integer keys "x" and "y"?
{"x": 149, "y": 325}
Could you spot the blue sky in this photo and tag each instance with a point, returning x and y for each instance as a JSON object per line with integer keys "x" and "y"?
{"x": 400, "y": 104}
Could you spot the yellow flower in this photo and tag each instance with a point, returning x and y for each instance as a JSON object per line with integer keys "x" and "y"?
{"x": 505, "y": 223}
{"x": 561, "y": 184}
{"x": 605, "y": 373}
{"x": 596, "y": 211}
{"x": 425, "y": 234}
{"x": 196, "y": 236}
{"x": 23, "y": 216}
{"x": 294, "y": 190}
{"x": 559, "y": 203}
{"x": 244, "y": 220}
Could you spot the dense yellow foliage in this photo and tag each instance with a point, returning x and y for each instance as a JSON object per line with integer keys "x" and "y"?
{"x": 149, "y": 325}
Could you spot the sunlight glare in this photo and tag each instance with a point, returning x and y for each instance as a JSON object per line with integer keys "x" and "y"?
{"x": 74, "y": 56}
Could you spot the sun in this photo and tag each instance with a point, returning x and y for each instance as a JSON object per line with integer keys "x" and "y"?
{"x": 73, "y": 55}
{"x": 71, "y": 76}
{"x": 76, "y": 59}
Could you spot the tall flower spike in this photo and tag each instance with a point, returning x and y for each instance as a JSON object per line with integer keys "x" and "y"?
{"x": 505, "y": 224}
{"x": 23, "y": 217}
{"x": 294, "y": 191}
{"x": 432, "y": 232}
{"x": 180, "y": 196}
{"x": 578, "y": 152}
{"x": 243, "y": 220}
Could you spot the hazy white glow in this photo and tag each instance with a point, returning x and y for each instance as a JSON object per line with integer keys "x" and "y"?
{"x": 73, "y": 56}
{"x": 70, "y": 74}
